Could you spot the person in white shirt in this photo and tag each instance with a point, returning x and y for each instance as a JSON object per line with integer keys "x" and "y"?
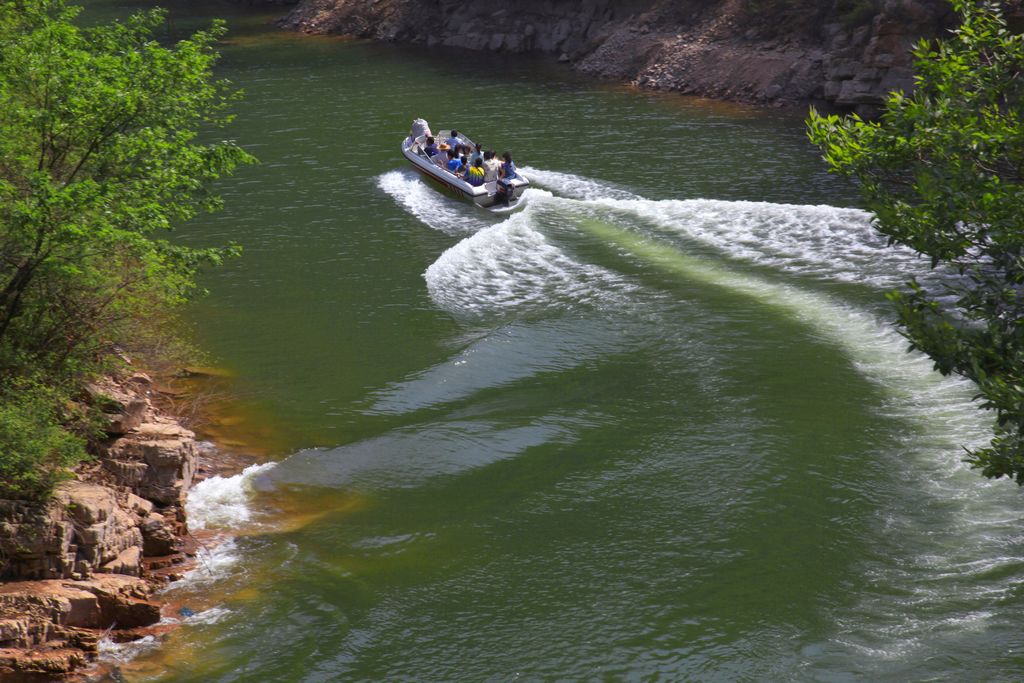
{"x": 441, "y": 158}
{"x": 491, "y": 167}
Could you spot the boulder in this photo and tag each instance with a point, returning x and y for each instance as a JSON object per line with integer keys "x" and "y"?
{"x": 39, "y": 665}
{"x": 158, "y": 460}
{"x": 124, "y": 404}
{"x": 14, "y": 631}
{"x": 157, "y": 538}
{"x": 139, "y": 506}
{"x": 128, "y": 561}
{"x": 49, "y": 628}
{"x": 103, "y": 529}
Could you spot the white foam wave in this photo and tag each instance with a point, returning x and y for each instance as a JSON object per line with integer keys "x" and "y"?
{"x": 513, "y": 266}
{"x": 434, "y": 209}
{"x": 114, "y": 653}
{"x": 121, "y": 653}
{"x": 211, "y": 565}
{"x": 822, "y": 241}
{"x": 209, "y": 616}
{"x": 871, "y": 344}
{"x": 222, "y": 501}
{"x": 957, "y": 527}
{"x": 574, "y": 186}
{"x": 952, "y": 550}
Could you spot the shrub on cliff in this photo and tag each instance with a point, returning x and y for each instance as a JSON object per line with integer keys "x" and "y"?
{"x": 37, "y": 445}
{"x": 102, "y": 147}
{"x": 943, "y": 171}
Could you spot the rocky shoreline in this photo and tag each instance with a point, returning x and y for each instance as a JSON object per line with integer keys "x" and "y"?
{"x": 847, "y": 55}
{"x": 87, "y": 563}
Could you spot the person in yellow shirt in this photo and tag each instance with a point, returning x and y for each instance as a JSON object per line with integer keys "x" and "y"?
{"x": 475, "y": 173}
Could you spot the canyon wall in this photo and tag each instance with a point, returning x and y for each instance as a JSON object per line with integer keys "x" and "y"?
{"x": 847, "y": 53}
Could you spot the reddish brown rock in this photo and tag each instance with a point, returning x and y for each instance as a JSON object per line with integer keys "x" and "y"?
{"x": 157, "y": 460}
{"x": 39, "y": 665}
{"x": 75, "y": 565}
{"x": 157, "y": 537}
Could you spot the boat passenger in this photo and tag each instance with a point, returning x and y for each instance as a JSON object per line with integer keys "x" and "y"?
{"x": 508, "y": 169}
{"x": 454, "y": 162}
{"x": 441, "y": 157}
{"x": 491, "y": 166}
{"x": 475, "y": 173}
{"x": 453, "y": 140}
{"x": 431, "y": 148}
{"x": 506, "y": 174}
{"x": 478, "y": 154}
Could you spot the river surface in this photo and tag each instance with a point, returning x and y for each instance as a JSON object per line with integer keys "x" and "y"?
{"x": 655, "y": 425}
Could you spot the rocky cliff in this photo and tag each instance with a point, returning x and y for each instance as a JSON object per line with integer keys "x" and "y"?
{"x": 89, "y": 558}
{"x": 849, "y": 53}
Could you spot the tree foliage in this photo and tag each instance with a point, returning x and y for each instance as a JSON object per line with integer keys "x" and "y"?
{"x": 37, "y": 443}
{"x": 942, "y": 170}
{"x": 105, "y": 142}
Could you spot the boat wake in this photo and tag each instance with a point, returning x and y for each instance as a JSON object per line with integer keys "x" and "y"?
{"x": 583, "y": 247}
{"x": 223, "y": 502}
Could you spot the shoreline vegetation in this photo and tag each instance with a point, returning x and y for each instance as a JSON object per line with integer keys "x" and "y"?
{"x": 104, "y": 147}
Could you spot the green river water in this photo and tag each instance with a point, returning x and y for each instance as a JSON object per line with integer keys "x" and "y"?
{"x": 655, "y": 425}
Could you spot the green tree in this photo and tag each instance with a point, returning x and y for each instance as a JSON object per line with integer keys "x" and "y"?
{"x": 942, "y": 171}
{"x": 107, "y": 137}
{"x": 37, "y": 445}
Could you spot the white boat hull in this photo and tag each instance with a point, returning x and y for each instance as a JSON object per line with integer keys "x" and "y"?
{"x": 482, "y": 195}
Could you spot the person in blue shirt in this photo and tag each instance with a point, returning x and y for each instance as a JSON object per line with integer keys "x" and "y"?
{"x": 508, "y": 169}
{"x": 453, "y": 141}
{"x": 431, "y": 148}
{"x": 505, "y": 175}
{"x": 454, "y": 162}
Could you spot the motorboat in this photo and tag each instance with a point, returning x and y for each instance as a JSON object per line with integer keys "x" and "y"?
{"x": 488, "y": 194}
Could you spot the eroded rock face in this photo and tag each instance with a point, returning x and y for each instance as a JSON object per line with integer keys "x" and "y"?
{"x": 48, "y": 628}
{"x": 125, "y": 403}
{"x": 88, "y": 527}
{"x": 554, "y": 26}
{"x": 75, "y": 565}
{"x": 865, "y": 64}
{"x": 105, "y": 534}
{"x": 157, "y": 460}
{"x": 717, "y": 48}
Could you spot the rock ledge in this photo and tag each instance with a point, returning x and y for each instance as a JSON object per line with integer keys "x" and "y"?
{"x": 88, "y": 560}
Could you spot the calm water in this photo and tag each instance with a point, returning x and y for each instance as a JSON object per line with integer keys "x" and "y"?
{"x": 653, "y": 426}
